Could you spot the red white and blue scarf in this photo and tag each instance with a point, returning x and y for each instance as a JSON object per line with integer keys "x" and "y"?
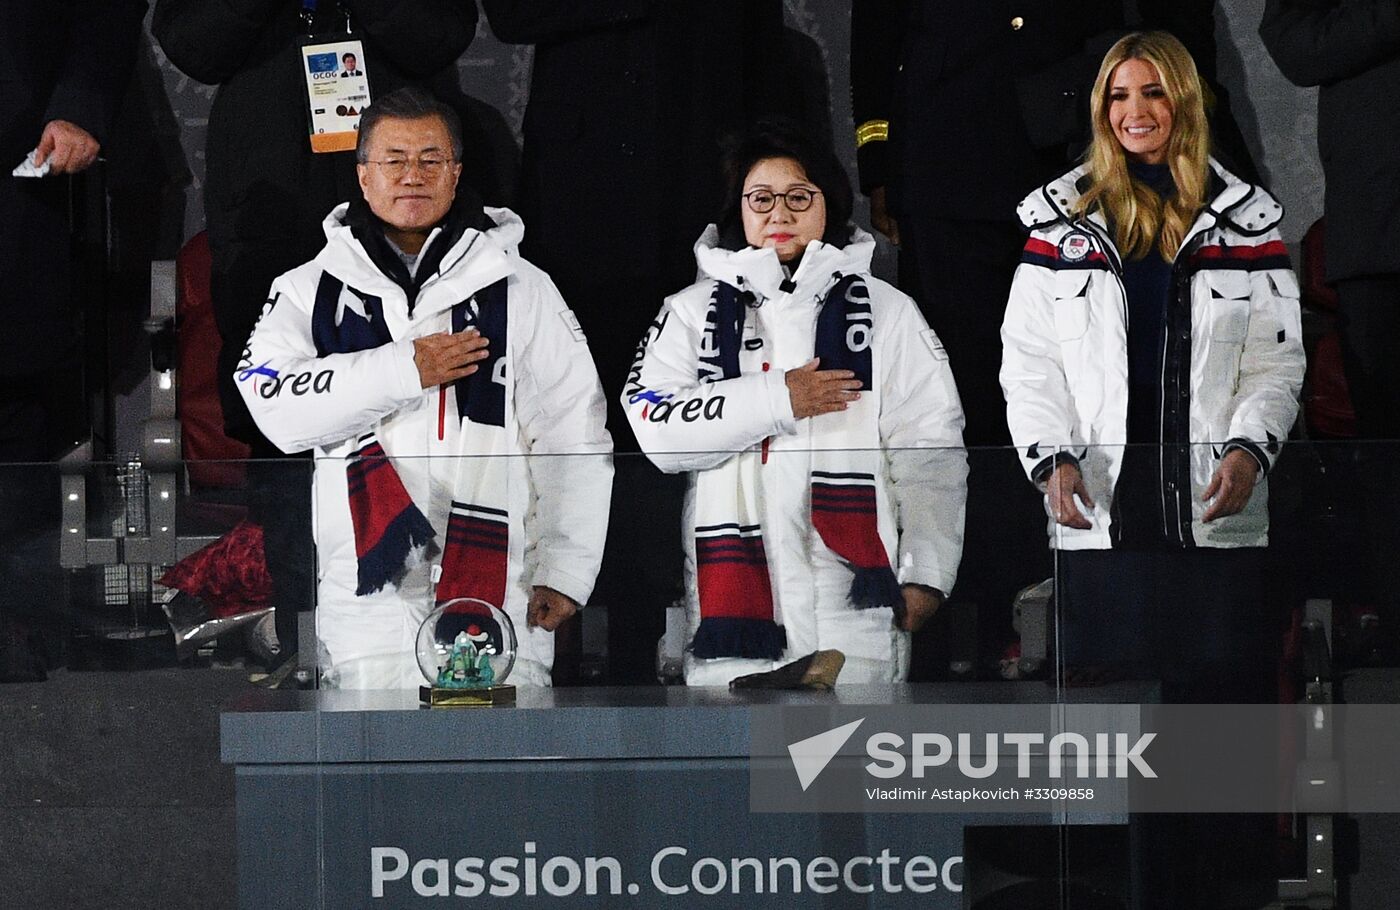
{"x": 737, "y": 614}
{"x": 387, "y": 524}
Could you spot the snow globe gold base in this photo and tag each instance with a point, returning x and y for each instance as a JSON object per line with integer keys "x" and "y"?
{"x": 481, "y": 697}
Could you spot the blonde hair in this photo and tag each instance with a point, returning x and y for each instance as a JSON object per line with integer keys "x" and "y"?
{"x": 1139, "y": 217}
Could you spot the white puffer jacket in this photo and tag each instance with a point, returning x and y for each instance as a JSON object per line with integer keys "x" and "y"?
{"x": 556, "y": 409}
{"x": 923, "y": 474}
{"x": 1232, "y": 368}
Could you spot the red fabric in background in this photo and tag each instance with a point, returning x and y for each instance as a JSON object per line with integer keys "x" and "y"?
{"x": 1327, "y": 405}
{"x": 230, "y": 574}
{"x": 1327, "y": 402}
{"x": 213, "y": 459}
{"x": 1317, "y": 293}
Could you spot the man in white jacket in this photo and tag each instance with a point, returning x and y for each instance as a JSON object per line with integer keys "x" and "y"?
{"x": 455, "y": 411}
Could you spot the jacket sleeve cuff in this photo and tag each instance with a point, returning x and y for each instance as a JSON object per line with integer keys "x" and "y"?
{"x": 407, "y": 377}
{"x": 1254, "y": 450}
{"x": 929, "y": 577}
{"x": 780, "y": 402}
{"x": 1042, "y": 471}
{"x": 566, "y": 583}
{"x": 87, "y": 114}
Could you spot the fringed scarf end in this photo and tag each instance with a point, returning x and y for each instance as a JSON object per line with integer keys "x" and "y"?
{"x": 872, "y": 588}
{"x": 409, "y": 530}
{"x": 723, "y": 636}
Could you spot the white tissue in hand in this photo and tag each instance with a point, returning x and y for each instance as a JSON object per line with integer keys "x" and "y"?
{"x": 27, "y": 167}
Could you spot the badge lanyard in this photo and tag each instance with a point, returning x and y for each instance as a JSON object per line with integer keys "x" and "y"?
{"x": 308, "y": 15}
{"x": 337, "y": 77}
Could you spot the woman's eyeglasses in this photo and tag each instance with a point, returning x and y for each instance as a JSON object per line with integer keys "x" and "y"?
{"x": 798, "y": 200}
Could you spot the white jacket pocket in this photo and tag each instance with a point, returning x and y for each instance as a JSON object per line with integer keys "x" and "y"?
{"x": 1228, "y": 307}
{"x": 1071, "y": 306}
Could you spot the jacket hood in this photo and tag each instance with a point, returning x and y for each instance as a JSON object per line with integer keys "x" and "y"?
{"x": 501, "y": 226}
{"x": 1248, "y": 209}
{"x": 759, "y": 270}
{"x": 487, "y": 247}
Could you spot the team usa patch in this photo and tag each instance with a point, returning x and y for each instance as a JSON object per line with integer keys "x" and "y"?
{"x": 1075, "y": 246}
{"x": 1074, "y": 251}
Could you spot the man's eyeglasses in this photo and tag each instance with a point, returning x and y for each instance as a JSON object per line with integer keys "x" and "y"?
{"x": 798, "y": 200}
{"x": 396, "y": 168}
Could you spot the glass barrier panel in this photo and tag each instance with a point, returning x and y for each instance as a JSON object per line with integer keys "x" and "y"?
{"x": 798, "y": 551}
{"x": 192, "y": 677}
{"x": 722, "y": 548}
{"x": 136, "y": 607}
{"x": 1251, "y": 587}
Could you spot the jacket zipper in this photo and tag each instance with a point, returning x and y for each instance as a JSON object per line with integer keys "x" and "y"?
{"x": 767, "y": 440}
{"x": 1116, "y": 267}
{"x": 1175, "y": 531}
{"x": 442, "y": 410}
{"x": 763, "y": 456}
{"x": 1182, "y": 290}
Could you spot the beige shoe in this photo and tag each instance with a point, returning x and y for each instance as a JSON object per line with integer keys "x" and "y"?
{"x": 817, "y": 671}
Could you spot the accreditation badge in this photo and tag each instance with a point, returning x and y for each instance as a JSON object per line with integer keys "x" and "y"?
{"x": 337, "y": 92}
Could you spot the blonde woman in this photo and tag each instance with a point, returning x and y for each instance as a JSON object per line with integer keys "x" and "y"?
{"x": 1152, "y": 358}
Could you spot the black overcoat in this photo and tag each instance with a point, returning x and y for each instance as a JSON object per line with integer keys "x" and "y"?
{"x": 1351, "y": 49}
{"x": 987, "y": 101}
{"x": 628, "y": 100}
{"x": 58, "y": 61}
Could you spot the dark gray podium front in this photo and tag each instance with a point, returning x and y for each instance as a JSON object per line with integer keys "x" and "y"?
{"x": 631, "y": 798}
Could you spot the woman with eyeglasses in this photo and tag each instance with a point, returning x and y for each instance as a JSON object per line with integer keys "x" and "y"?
{"x": 1152, "y": 358}
{"x": 816, "y": 415}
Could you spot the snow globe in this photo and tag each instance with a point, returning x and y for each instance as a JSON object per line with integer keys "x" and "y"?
{"x": 466, "y": 649}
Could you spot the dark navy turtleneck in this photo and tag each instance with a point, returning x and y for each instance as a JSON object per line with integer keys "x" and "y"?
{"x": 1137, "y": 503}
{"x": 1148, "y": 283}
